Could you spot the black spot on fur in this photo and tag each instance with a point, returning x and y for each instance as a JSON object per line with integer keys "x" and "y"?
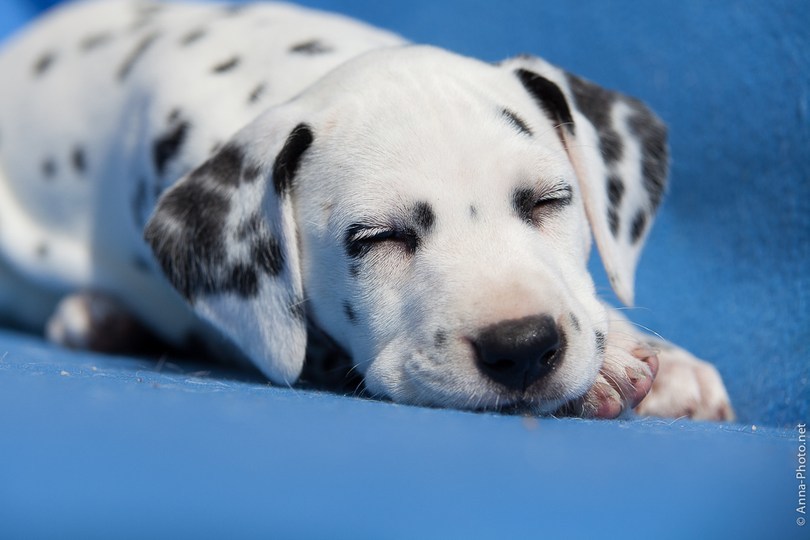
{"x": 186, "y": 236}
{"x": 49, "y": 168}
{"x": 516, "y": 122}
{"x": 613, "y": 222}
{"x": 600, "y": 342}
{"x": 311, "y": 47}
{"x": 94, "y": 41}
{"x": 637, "y": 227}
{"x": 44, "y": 63}
{"x": 226, "y": 65}
{"x": 289, "y": 158}
{"x": 610, "y": 146}
{"x": 440, "y": 338}
{"x": 473, "y": 212}
{"x": 574, "y": 322}
{"x": 79, "y": 160}
{"x": 596, "y": 103}
{"x": 424, "y": 217}
{"x": 549, "y": 98}
{"x": 168, "y": 145}
{"x": 243, "y": 280}
{"x": 250, "y": 173}
{"x": 136, "y": 54}
{"x": 257, "y": 93}
{"x": 225, "y": 166}
{"x": 348, "y": 310}
{"x": 193, "y": 36}
{"x": 652, "y": 134}
{"x": 615, "y": 190}
{"x": 266, "y": 253}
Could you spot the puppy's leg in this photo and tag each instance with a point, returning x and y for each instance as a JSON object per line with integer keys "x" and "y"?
{"x": 95, "y": 321}
{"x": 684, "y": 387}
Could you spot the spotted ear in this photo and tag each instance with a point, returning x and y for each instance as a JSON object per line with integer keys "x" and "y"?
{"x": 225, "y": 237}
{"x": 618, "y": 149}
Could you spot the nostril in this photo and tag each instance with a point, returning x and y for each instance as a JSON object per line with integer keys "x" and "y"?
{"x": 519, "y": 352}
{"x": 502, "y": 364}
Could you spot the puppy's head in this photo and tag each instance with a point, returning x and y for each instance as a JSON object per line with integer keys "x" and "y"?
{"x": 433, "y": 215}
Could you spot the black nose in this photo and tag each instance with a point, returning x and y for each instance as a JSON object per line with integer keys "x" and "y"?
{"x": 518, "y": 352}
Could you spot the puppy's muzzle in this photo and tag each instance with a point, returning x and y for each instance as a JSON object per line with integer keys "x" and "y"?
{"x": 519, "y": 352}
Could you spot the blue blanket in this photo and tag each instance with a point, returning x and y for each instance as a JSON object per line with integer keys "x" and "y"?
{"x": 116, "y": 446}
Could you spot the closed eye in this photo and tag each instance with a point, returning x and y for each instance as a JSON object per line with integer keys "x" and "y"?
{"x": 535, "y": 207}
{"x": 361, "y": 239}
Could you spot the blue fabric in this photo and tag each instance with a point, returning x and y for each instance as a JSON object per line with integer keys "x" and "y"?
{"x": 126, "y": 449}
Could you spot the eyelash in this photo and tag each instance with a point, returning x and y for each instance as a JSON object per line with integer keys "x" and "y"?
{"x": 529, "y": 204}
{"x": 362, "y": 238}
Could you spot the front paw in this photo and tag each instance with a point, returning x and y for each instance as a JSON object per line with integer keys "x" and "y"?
{"x": 622, "y": 383}
{"x": 686, "y": 387}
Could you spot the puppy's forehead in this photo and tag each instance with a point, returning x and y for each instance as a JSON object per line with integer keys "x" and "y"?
{"x": 422, "y": 121}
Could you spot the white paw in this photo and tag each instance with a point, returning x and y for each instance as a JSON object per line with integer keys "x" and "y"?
{"x": 626, "y": 376}
{"x": 686, "y": 387}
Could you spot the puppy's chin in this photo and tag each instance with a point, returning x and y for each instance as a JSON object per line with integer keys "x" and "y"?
{"x": 435, "y": 382}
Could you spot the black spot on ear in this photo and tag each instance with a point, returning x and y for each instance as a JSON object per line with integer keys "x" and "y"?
{"x": 311, "y": 47}
{"x": 600, "y": 342}
{"x": 192, "y": 37}
{"x": 637, "y": 227}
{"x": 43, "y": 63}
{"x": 225, "y": 166}
{"x": 79, "y": 160}
{"x": 574, "y": 322}
{"x": 348, "y": 310}
{"x": 49, "y": 168}
{"x": 266, "y": 253}
{"x": 186, "y": 236}
{"x": 517, "y": 122}
{"x": 226, "y": 65}
{"x": 613, "y": 221}
{"x": 289, "y": 158}
{"x": 549, "y": 97}
{"x": 94, "y": 41}
{"x": 652, "y": 133}
{"x": 424, "y": 217}
{"x": 136, "y": 54}
{"x": 615, "y": 190}
{"x": 168, "y": 145}
{"x": 596, "y": 103}
{"x": 440, "y": 338}
{"x": 257, "y": 93}
{"x": 243, "y": 281}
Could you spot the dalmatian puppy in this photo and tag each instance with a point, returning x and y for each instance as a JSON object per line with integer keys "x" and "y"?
{"x": 258, "y": 176}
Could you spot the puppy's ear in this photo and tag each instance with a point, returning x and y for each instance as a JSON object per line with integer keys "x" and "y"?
{"x": 225, "y": 237}
{"x": 618, "y": 149}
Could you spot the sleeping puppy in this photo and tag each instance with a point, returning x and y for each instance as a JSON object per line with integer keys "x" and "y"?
{"x": 256, "y": 174}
